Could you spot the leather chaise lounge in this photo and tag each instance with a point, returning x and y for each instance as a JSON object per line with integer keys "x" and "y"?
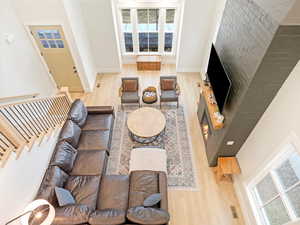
{"x": 79, "y": 164}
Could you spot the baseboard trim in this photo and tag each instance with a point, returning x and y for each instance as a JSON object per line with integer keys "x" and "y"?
{"x": 238, "y": 187}
{"x": 109, "y": 70}
{"x": 188, "y": 69}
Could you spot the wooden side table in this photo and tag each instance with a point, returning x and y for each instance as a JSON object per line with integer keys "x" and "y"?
{"x": 227, "y": 166}
{"x": 148, "y": 62}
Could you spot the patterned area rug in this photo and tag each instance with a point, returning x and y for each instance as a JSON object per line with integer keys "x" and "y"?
{"x": 175, "y": 140}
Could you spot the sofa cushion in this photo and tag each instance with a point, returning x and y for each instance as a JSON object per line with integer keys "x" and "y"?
{"x": 98, "y": 122}
{"x": 48, "y": 193}
{"x": 142, "y": 185}
{"x": 64, "y": 197}
{"x": 169, "y": 96}
{"x": 113, "y": 192}
{"x": 94, "y": 140}
{"x": 168, "y": 84}
{"x": 130, "y": 85}
{"x": 90, "y": 162}
{"x": 54, "y": 176}
{"x": 78, "y": 112}
{"x": 64, "y": 156}
{"x": 72, "y": 214}
{"x": 84, "y": 189}
{"x": 142, "y": 215}
{"x": 70, "y": 133}
{"x": 108, "y": 217}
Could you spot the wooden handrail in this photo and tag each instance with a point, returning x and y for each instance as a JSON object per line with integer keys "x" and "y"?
{"x": 28, "y": 101}
{"x": 13, "y": 98}
{"x": 25, "y": 122}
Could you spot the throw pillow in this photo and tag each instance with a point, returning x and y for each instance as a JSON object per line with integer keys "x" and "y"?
{"x": 130, "y": 85}
{"x": 70, "y": 133}
{"x": 168, "y": 84}
{"x": 152, "y": 200}
{"x": 64, "y": 197}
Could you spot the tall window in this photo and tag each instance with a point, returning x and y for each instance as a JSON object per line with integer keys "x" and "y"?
{"x": 127, "y": 30}
{"x": 277, "y": 194}
{"x": 169, "y": 29}
{"x": 148, "y": 30}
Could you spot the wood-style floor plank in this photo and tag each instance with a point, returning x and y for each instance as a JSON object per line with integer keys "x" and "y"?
{"x": 210, "y": 204}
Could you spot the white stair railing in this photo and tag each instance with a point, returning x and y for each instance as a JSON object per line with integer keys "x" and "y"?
{"x": 23, "y": 123}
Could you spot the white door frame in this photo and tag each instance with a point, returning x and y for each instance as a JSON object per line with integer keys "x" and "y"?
{"x": 80, "y": 72}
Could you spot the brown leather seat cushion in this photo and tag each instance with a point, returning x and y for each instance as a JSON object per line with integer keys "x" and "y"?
{"x": 94, "y": 140}
{"x": 113, "y": 192}
{"x": 64, "y": 156}
{"x": 108, "y": 217}
{"x": 70, "y": 133}
{"x": 98, "y": 122}
{"x": 78, "y": 112}
{"x": 84, "y": 189}
{"x": 142, "y": 185}
{"x": 89, "y": 162}
{"x": 71, "y": 214}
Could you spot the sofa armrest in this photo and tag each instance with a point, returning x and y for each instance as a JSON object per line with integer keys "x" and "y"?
{"x": 100, "y": 109}
{"x": 72, "y": 214}
{"x": 163, "y": 189}
{"x": 108, "y": 216}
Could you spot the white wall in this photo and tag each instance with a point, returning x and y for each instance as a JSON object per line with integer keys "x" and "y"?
{"x": 74, "y": 14}
{"x": 53, "y": 12}
{"x": 100, "y": 26}
{"x": 278, "y": 123}
{"x": 200, "y": 23}
{"x": 21, "y": 71}
{"x": 20, "y": 179}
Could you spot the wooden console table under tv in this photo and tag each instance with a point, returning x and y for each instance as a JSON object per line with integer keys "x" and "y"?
{"x": 212, "y": 108}
{"x": 148, "y": 62}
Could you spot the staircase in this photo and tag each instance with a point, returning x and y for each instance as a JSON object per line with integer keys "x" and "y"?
{"x": 24, "y": 123}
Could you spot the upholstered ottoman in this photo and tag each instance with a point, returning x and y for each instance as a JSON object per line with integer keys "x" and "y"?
{"x": 148, "y": 158}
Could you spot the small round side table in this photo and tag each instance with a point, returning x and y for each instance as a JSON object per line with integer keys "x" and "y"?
{"x": 149, "y": 95}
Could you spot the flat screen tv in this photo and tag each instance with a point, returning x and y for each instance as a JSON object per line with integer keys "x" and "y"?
{"x": 218, "y": 79}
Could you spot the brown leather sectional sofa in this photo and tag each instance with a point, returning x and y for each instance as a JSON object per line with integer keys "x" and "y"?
{"x": 78, "y": 165}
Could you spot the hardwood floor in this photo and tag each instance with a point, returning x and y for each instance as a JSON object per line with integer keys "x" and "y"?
{"x": 211, "y": 203}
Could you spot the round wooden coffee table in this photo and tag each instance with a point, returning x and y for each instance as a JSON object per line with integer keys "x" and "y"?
{"x": 146, "y": 124}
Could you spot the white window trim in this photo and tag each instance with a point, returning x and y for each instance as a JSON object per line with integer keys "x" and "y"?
{"x": 288, "y": 147}
{"x": 161, "y": 31}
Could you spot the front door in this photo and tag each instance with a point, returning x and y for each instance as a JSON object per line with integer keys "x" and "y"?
{"x": 55, "y": 50}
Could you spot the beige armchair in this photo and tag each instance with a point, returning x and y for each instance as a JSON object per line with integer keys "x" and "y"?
{"x": 129, "y": 91}
{"x": 169, "y": 89}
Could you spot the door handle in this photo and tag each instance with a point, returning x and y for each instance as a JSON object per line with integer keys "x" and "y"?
{"x": 75, "y": 69}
